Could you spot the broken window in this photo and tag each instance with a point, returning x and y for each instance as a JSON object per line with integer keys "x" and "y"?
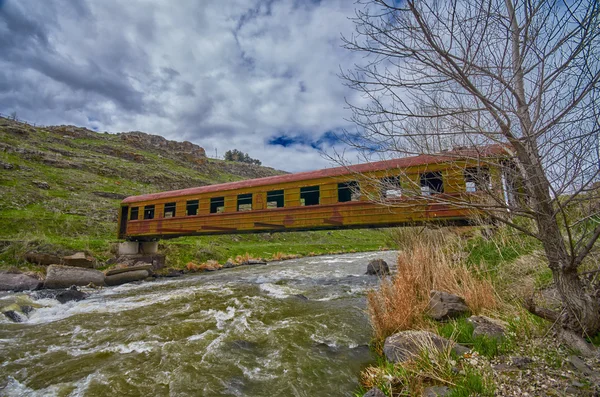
{"x": 170, "y": 210}
{"x": 309, "y": 195}
{"x": 133, "y": 216}
{"x": 191, "y": 207}
{"x": 275, "y": 199}
{"x": 149, "y": 212}
{"x": 390, "y": 187}
{"x": 217, "y": 204}
{"x": 244, "y": 202}
{"x": 348, "y": 191}
{"x": 476, "y": 179}
{"x": 432, "y": 183}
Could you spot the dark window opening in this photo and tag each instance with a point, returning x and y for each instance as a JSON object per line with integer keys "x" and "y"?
{"x": 390, "y": 187}
{"x": 477, "y": 179}
{"x": 275, "y": 199}
{"x": 348, "y": 191}
{"x": 170, "y": 210}
{"x": 244, "y": 202}
{"x": 133, "y": 216}
{"x": 149, "y": 212}
{"x": 217, "y": 204}
{"x": 309, "y": 195}
{"x": 432, "y": 183}
{"x": 191, "y": 207}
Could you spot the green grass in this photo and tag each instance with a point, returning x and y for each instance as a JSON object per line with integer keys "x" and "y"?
{"x": 461, "y": 331}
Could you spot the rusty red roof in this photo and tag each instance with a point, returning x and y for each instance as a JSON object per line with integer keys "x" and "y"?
{"x": 464, "y": 153}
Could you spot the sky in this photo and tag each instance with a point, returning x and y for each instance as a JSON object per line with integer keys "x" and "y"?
{"x": 260, "y": 76}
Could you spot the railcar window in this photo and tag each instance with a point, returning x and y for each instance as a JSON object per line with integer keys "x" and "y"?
{"x": 217, "y": 204}
{"x": 432, "y": 183}
{"x": 390, "y": 187}
{"x": 133, "y": 216}
{"x": 348, "y": 191}
{"x": 476, "y": 179}
{"x": 309, "y": 195}
{"x": 170, "y": 210}
{"x": 275, "y": 199}
{"x": 149, "y": 212}
{"x": 191, "y": 207}
{"x": 244, "y": 202}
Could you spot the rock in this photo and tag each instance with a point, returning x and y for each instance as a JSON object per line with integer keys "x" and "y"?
{"x": 42, "y": 259}
{"x": 300, "y": 296}
{"x": 488, "y": 327}
{"x": 79, "y": 259}
{"x": 374, "y": 392}
{"x": 435, "y": 391}
{"x": 521, "y": 362}
{"x": 42, "y": 185}
{"x": 460, "y": 350}
{"x": 18, "y": 282}
{"x": 406, "y": 345}
{"x": 126, "y": 277}
{"x": 378, "y": 267}
{"x": 59, "y": 276}
{"x": 173, "y": 273}
{"x": 228, "y": 265}
{"x": 157, "y": 260}
{"x": 7, "y": 166}
{"x": 444, "y": 306}
{"x": 13, "y": 316}
{"x": 72, "y": 294}
{"x": 580, "y": 366}
{"x": 143, "y": 266}
{"x": 26, "y": 309}
{"x": 253, "y": 262}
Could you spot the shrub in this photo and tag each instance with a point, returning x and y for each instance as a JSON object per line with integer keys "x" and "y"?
{"x": 425, "y": 264}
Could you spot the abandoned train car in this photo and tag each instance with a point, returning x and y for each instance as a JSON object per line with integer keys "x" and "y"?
{"x": 377, "y": 194}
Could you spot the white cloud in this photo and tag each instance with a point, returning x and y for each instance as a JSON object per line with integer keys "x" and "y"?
{"x": 223, "y": 74}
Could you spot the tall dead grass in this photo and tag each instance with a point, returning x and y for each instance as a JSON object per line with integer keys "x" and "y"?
{"x": 426, "y": 262}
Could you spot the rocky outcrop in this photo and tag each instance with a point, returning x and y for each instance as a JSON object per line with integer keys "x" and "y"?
{"x": 58, "y": 276}
{"x": 407, "y": 345}
{"x": 444, "y": 306}
{"x": 190, "y": 152}
{"x": 18, "y": 282}
{"x": 378, "y": 267}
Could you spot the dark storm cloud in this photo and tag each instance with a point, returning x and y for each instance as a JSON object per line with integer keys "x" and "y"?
{"x": 222, "y": 74}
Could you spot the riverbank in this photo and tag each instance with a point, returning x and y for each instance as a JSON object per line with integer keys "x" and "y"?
{"x": 492, "y": 345}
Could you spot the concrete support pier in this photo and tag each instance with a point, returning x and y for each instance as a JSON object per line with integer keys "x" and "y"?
{"x": 135, "y": 247}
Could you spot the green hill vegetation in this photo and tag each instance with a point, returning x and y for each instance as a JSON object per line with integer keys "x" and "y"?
{"x": 61, "y": 188}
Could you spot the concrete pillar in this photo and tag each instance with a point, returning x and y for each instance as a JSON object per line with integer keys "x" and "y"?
{"x": 149, "y": 247}
{"x": 129, "y": 248}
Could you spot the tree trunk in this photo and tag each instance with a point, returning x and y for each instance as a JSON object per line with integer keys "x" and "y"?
{"x": 582, "y": 314}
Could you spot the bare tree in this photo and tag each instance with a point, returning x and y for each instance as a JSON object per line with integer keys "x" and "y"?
{"x": 523, "y": 74}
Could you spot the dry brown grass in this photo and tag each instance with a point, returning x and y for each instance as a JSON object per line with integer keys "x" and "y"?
{"x": 424, "y": 264}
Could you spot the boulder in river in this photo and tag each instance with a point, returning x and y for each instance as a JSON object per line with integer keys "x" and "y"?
{"x": 127, "y": 277}
{"x": 72, "y": 294}
{"x": 444, "y": 306}
{"x": 13, "y": 316}
{"x": 378, "y": 267}
{"x": 59, "y": 276}
{"x": 18, "y": 282}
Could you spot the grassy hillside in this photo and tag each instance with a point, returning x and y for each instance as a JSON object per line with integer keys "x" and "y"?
{"x": 61, "y": 187}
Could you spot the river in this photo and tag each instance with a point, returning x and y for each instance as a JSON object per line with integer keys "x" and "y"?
{"x": 292, "y": 328}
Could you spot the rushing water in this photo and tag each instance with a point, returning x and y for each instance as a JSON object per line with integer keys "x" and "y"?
{"x": 294, "y": 328}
